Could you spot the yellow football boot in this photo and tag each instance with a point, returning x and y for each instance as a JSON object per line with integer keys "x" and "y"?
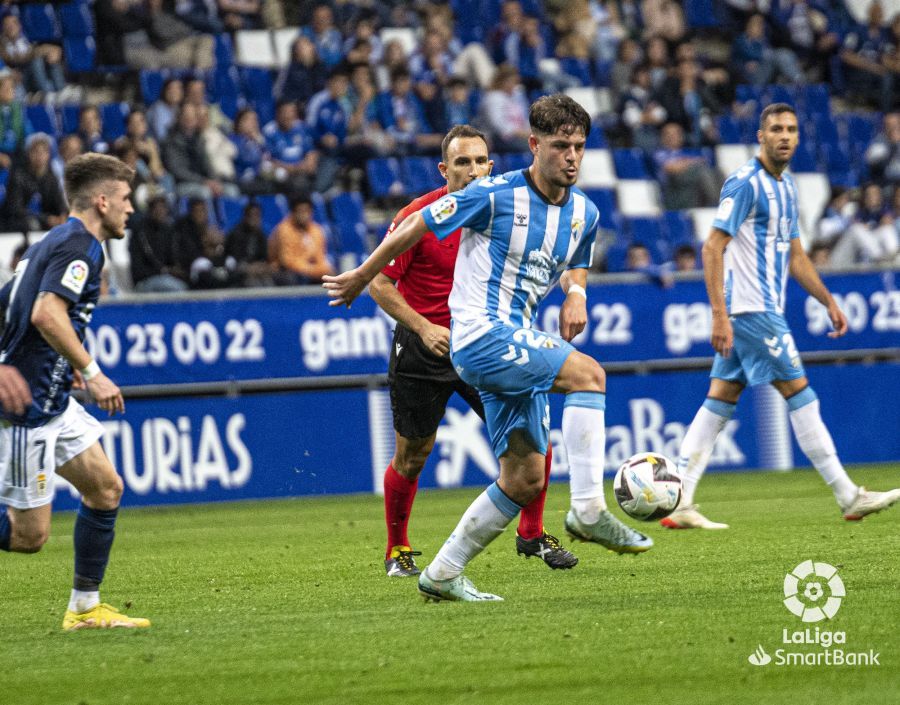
{"x": 102, "y": 616}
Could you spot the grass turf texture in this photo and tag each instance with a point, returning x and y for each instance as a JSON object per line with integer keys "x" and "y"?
{"x": 287, "y": 602}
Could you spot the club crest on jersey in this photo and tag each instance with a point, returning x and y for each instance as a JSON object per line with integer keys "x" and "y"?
{"x": 577, "y": 228}
{"x": 75, "y": 277}
{"x": 443, "y": 209}
{"x": 784, "y": 228}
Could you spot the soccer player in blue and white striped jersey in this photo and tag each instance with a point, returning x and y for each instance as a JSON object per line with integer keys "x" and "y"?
{"x": 753, "y": 245}
{"x": 522, "y": 232}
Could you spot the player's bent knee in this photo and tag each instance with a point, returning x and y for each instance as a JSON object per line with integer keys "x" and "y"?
{"x": 108, "y": 494}
{"x": 29, "y": 540}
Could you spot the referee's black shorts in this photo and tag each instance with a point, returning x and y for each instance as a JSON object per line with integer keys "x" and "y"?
{"x": 421, "y": 384}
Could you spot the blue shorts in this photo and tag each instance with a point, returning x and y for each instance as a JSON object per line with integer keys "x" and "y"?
{"x": 513, "y": 369}
{"x": 764, "y": 351}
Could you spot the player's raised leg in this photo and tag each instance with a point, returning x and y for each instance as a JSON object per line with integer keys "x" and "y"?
{"x": 816, "y": 443}
{"x": 401, "y": 480}
{"x": 101, "y": 489}
{"x": 696, "y": 449}
{"x": 532, "y": 538}
{"x": 520, "y": 481}
{"x": 583, "y": 381}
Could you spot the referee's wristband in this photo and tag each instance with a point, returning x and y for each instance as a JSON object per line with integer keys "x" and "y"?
{"x": 91, "y": 371}
{"x": 576, "y": 289}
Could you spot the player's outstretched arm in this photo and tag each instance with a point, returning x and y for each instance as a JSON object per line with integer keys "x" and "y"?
{"x": 804, "y": 271}
{"x": 713, "y": 254}
{"x": 436, "y": 338}
{"x": 15, "y": 396}
{"x": 345, "y": 287}
{"x": 573, "y": 314}
{"x": 50, "y": 316}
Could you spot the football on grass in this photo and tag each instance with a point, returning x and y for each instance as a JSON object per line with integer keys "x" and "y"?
{"x": 647, "y": 486}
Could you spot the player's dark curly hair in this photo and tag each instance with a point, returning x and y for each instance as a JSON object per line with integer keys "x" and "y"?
{"x": 88, "y": 173}
{"x": 551, "y": 113}
{"x": 459, "y": 131}
{"x": 775, "y": 109}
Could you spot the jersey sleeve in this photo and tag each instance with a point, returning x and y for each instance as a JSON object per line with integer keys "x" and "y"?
{"x": 584, "y": 251}
{"x": 735, "y": 205}
{"x": 470, "y": 208}
{"x": 68, "y": 270}
{"x": 397, "y": 267}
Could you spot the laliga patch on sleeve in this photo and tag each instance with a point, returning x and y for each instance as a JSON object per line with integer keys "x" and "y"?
{"x": 75, "y": 277}
{"x": 725, "y": 208}
{"x": 443, "y": 209}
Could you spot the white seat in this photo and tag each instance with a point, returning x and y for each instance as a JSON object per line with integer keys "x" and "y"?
{"x": 703, "y": 219}
{"x": 253, "y": 47}
{"x": 118, "y": 263}
{"x": 731, "y": 157}
{"x": 813, "y": 192}
{"x": 597, "y": 169}
{"x": 586, "y": 97}
{"x": 283, "y": 40}
{"x": 404, "y": 35}
{"x": 638, "y": 197}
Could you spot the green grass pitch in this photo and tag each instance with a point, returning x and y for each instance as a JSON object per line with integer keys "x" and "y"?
{"x": 287, "y": 602}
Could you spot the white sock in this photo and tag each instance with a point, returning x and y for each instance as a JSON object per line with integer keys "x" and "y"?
{"x": 816, "y": 442}
{"x": 484, "y": 520}
{"x": 81, "y": 601}
{"x": 697, "y": 445}
{"x": 584, "y": 435}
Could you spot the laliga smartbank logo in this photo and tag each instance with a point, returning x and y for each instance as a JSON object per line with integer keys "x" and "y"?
{"x": 813, "y": 591}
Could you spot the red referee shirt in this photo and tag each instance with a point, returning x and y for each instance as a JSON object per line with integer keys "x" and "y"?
{"x": 424, "y": 273}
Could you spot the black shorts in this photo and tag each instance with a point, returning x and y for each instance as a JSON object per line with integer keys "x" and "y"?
{"x": 421, "y": 384}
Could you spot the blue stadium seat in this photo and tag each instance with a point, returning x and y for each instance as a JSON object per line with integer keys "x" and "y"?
{"x": 615, "y": 256}
{"x": 224, "y": 50}
{"x": 630, "y": 164}
{"x": 824, "y": 130}
{"x": 603, "y": 73}
{"x": 80, "y": 54}
{"x": 744, "y": 93}
{"x": 860, "y": 130}
{"x": 678, "y": 227}
{"x": 257, "y": 82}
{"x": 385, "y": 177}
{"x": 113, "y": 116}
{"x": 76, "y": 20}
{"x": 230, "y": 211}
{"x": 151, "y": 85}
{"x": 39, "y": 22}
{"x": 68, "y": 115}
{"x": 349, "y": 222}
{"x": 182, "y": 209}
{"x": 274, "y": 208}
{"x": 420, "y": 174}
{"x": 516, "y": 161}
{"x": 577, "y": 68}
{"x": 646, "y": 231}
{"x": 605, "y": 200}
{"x": 780, "y": 94}
{"x": 700, "y": 13}
{"x": 729, "y": 130}
{"x": 226, "y": 90}
{"x": 804, "y": 158}
{"x": 816, "y": 99}
{"x": 42, "y": 119}
{"x": 836, "y": 161}
{"x": 596, "y": 138}
{"x": 4, "y": 177}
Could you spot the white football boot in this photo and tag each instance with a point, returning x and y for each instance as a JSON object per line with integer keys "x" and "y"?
{"x": 689, "y": 518}
{"x": 868, "y": 502}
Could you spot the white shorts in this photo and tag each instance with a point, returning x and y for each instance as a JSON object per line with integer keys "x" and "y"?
{"x": 29, "y": 456}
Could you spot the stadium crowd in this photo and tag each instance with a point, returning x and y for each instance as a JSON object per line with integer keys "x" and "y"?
{"x": 254, "y": 176}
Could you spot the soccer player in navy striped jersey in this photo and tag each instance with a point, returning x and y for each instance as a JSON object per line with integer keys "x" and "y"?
{"x": 48, "y": 304}
{"x": 522, "y": 232}
{"x": 753, "y": 244}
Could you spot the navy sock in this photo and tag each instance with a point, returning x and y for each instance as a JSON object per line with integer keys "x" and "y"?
{"x": 93, "y": 536}
{"x": 5, "y": 530}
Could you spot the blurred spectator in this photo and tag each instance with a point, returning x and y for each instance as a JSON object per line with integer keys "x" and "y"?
{"x": 873, "y": 236}
{"x": 14, "y": 124}
{"x": 659, "y": 60}
{"x": 217, "y": 16}
{"x": 248, "y": 245}
{"x": 394, "y": 60}
{"x": 70, "y": 146}
{"x": 189, "y": 230}
{"x": 6, "y": 273}
{"x": 820, "y": 255}
{"x": 526, "y": 49}
{"x": 90, "y": 129}
{"x": 809, "y": 32}
{"x": 328, "y": 121}
{"x": 459, "y": 107}
{"x": 504, "y": 112}
{"x": 220, "y": 150}
{"x": 303, "y": 76}
{"x": 364, "y": 136}
{"x": 638, "y": 259}
{"x": 883, "y": 154}
{"x": 118, "y": 18}
{"x": 641, "y": 114}
{"x": 161, "y": 115}
{"x": 836, "y": 218}
{"x": 164, "y": 39}
{"x": 326, "y": 37}
{"x": 685, "y": 258}
{"x": 511, "y": 16}
{"x": 186, "y": 159}
{"x": 431, "y": 66}
{"x": 690, "y": 102}
{"x": 250, "y": 152}
{"x": 610, "y": 30}
{"x": 664, "y": 18}
{"x": 297, "y": 246}
{"x": 687, "y": 180}
{"x": 628, "y": 57}
{"x": 364, "y": 33}
{"x": 399, "y": 112}
{"x": 213, "y": 269}
{"x": 862, "y": 54}
{"x": 293, "y": 160}
{"x": 34, "y": 200}
{"x": 150, "y": 163}
{"x": 195, "y": 94}
{"x": 41, "y": 64}
{"x": 153, "y": 248}
{"x": 758, "y": 62}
